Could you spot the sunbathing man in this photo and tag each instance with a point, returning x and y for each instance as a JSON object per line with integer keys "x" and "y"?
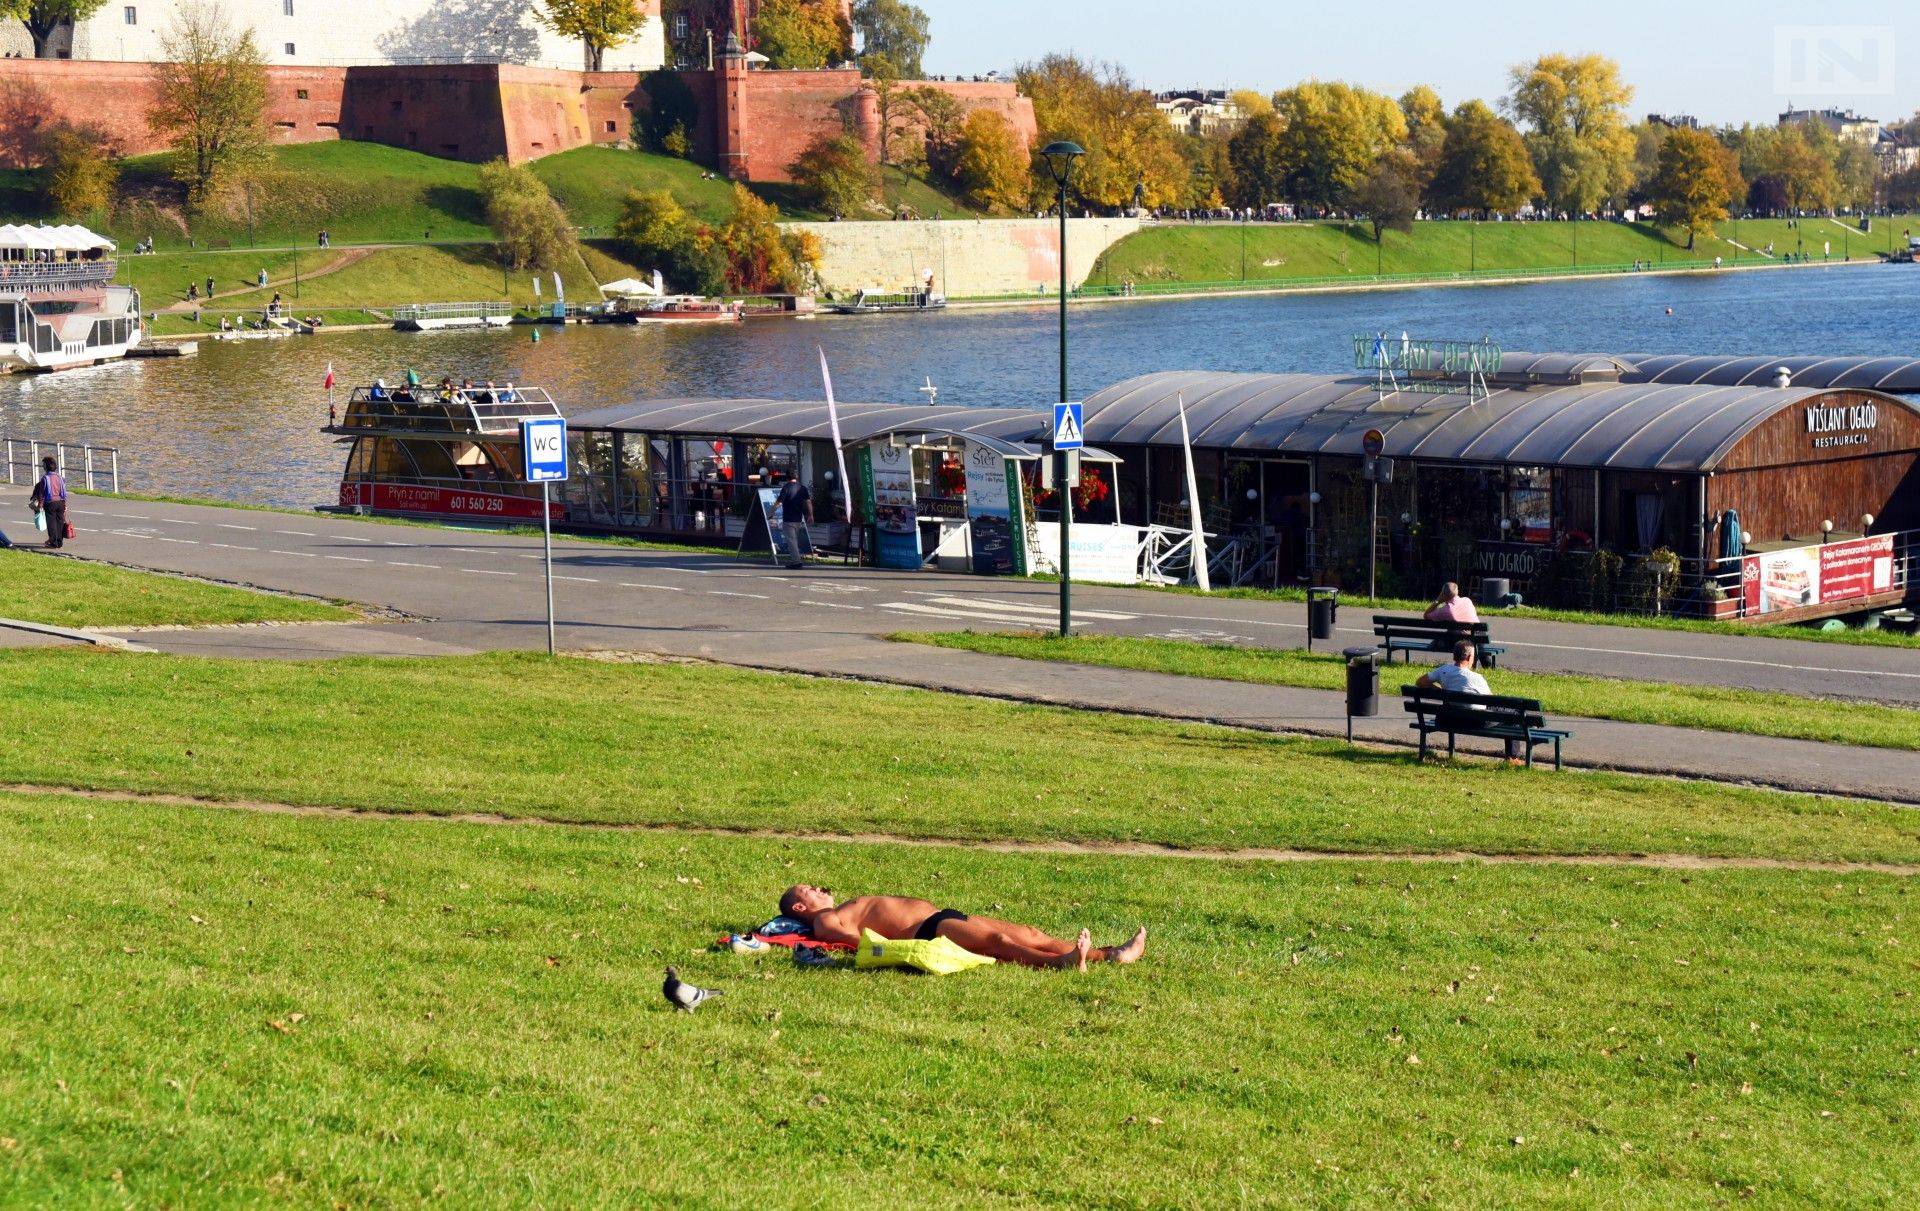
{"x": 900, "y": 917}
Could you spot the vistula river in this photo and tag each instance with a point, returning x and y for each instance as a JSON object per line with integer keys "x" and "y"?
{"x": 241, "y": 421}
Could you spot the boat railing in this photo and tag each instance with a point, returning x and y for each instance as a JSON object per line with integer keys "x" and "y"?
{"x": 94, "y": 465}
{"x": 473, "y": 409}
{"x": 31, "y": 276}
{"x": 450, "y": 311}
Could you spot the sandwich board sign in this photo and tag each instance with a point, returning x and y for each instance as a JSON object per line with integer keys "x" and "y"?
{"x": 1067, "y": 432}
{"x": 544, "y": 442}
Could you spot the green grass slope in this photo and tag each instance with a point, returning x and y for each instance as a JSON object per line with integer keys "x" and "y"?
{"x": 69, "y": 593}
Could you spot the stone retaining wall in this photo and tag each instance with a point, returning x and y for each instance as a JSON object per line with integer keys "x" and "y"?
{"x": 969, "y": 258}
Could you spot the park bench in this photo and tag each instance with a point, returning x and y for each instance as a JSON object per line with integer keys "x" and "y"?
{"x": 1494, "y": 715}
{"x": 1409, "y": 635}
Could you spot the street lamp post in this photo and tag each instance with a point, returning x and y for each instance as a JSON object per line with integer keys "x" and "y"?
{"x": 1060, "y": 157}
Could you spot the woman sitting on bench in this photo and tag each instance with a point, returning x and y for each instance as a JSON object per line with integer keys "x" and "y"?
{"x": 1461, "y": 678}
{"x": 1452, "y": 606}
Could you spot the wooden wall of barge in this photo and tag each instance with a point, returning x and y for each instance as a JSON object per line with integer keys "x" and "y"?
{"x": 1786, "y": 477}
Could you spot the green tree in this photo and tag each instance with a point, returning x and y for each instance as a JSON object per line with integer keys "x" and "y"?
{"x": 1800, "y": 157}
{"x": 1390, "y": 196}
{"x": 655, "y": 232}
{"x": 1689, "y": 186}
{"x": 532, "y": 229}
{"x": 993, "y": 162}
{"x": 599, "y": 24}
{"x": 1575, "y": 111}
{"x": 80, "y": 174}
{"x": 939, "y": 117}
{"x": 210, "y": 99}
{"x": 1257, "y": 164}
{"x": 835, "y": 174}
{"x": 1856, "y": 174}
{"x": 802, "y": 34}
{"x": 1484, "y": 166}
{"x": 891, "y": 106}
{"x": 1330, "y": 136}
{"x": 896, "y": 30}
{"x": 1648, "y": 137}
{"x": 1127, "y": 139}
{"x": 44, "y": 17}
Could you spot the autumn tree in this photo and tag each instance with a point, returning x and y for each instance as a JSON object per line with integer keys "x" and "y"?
{"x": 599, "y": 24}
{"x": 1856, "y": 175}
{"x": 835, "y": 174}
{"x": 80, "y": 172}
{"x": 210, "y": 98}
{"x": 939, "y": 116}
{"x": 1689, "y": 189}
{"x": 43, "y": 18}
{"x": 760, "y": 257}
{"x": 1484, "y": 166}
{"x": 802, "y": 34}
{"x": 1127, "y": 139}
{"x": 532, "y": 229}
{"x": 1256, "y": 162}
{"x": 993, "y": 162}
{"x": 1800, "y": 158}
{"x": 896, "y": 30}
{"x": 1575, "y": 111}
{"x": 1330, "y": 136}
{"x": 1426, "y": 121}
{"x": 656, "y": 232}
{"x": 1390, "y": 196}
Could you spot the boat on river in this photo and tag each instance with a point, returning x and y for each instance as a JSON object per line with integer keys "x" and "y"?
{"x": 443, "y": 454}
{"x": 59, "y": 307}
{"x": 672, "y": 309}
{"x": 866, "y": 303}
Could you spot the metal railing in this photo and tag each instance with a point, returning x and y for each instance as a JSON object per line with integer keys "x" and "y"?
{"x": 30, "y": 276}
{"x": 97, "y": 464}
{"x": 449, "y": 311}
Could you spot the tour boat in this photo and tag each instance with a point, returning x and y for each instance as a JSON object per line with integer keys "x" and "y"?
{"x": 690, "y": 309}
{"x": 58, "y": 306}
{"x": 865, "y": 303}
{"x": 444, "y": 454}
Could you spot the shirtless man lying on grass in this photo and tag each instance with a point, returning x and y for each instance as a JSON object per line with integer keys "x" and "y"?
{"x": 899, "y": 917}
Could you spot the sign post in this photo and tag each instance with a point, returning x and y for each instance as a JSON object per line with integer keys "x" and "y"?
{"x": 1373, "y": 443}
{"x": 1067, "y": 439}
{"x": 544, "y": 444}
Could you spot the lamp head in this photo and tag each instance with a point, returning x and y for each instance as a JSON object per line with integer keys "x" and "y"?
{"x": 1060, "y": 156}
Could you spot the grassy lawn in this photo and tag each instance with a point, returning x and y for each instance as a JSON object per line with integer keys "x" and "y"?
{"x": 72, "y": 593}
{"x": 1276, "y": 253}
{"x": 585, "y": 741}
{"x": 1710, "y": 708}
{"x": 212, "y": 1008}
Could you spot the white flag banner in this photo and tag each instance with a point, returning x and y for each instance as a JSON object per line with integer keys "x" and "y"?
{"x": 833, "y": 422}
{"x": 1200, "y": 573}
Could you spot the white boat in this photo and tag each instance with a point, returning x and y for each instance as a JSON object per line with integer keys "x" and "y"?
{"x": 58, "y": 305}
{"x": 438, "y": 317}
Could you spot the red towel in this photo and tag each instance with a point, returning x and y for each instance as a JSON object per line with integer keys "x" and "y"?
{"x": 790, "y": 940}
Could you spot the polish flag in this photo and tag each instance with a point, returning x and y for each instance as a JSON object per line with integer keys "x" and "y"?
{"x": 329, "y": 376}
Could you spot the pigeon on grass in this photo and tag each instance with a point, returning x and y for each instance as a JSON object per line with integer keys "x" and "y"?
{"x": 684, "y": 996}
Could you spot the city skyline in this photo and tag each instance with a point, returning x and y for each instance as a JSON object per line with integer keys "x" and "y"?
{"x": 1719, "y": 68}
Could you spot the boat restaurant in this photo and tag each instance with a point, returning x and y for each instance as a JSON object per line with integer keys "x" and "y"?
{"x": 1722, "y": 487}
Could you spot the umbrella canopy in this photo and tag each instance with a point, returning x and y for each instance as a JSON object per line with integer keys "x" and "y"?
{"x": 629, "y": 287}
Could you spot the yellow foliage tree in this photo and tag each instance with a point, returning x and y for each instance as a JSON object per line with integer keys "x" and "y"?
{"x": 993, "y": 162}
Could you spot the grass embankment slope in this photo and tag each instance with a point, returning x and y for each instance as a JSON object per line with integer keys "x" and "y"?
{"x": 241, "y": 1006}
{"x": 589, "y": 742}
{"x": 70, "y": 593}
{"x": 1707, "y": 708}
{"x": 219, "y": 1007}
{"x": 1275, "y": 254}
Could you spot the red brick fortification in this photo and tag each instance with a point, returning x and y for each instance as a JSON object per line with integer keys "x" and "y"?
{"x": 751, "y": 124}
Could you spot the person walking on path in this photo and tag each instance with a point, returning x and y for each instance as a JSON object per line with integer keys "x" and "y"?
{"x": 50, "y": 498}
{"x": 796, "y": 510}
{"x": 209, "y": 285}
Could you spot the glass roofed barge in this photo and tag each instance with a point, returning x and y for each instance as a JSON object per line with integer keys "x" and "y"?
{"x": 440, "y": 452}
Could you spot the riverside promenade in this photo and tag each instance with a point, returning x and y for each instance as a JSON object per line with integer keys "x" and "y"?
{"x": 452, "y": 592}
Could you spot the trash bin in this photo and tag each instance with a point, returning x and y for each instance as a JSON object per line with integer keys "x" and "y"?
{"x": 1363, "y": 684}
{"x": 1323, "y": 605}
{"x": 1493, "y": 589}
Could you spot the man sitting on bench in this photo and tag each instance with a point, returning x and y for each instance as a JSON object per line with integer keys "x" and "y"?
{"x": 1461, "y": 678}
{"x": 1452, "y": 606}
{"x": 900, "y": 917}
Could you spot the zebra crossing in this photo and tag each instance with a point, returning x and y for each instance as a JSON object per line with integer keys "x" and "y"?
{"x": 998, "y": 611}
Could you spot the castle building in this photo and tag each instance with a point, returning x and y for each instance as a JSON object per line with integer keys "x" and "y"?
{"x": 330, "y": 33}
{"x": 696, "y": 30}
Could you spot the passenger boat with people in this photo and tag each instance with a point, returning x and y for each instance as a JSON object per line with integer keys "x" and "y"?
{"x": 672, "y": 309}
{"x": 440, "y": 452}
{"x": 59, "y": 307}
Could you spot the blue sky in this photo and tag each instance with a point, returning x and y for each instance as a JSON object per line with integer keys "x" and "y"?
{"x": 1714, "y": 60}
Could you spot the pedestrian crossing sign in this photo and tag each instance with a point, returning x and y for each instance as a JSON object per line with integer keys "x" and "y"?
{"x": 1067, "y": 433}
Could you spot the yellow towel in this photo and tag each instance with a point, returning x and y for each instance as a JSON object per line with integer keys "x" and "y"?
{"x": 936, "y": 956}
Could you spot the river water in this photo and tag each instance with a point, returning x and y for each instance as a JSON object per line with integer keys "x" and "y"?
{"x": 241, "y": 421}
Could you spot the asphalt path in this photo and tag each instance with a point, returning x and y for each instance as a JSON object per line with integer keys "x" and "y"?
{"x": 486, "y": 590}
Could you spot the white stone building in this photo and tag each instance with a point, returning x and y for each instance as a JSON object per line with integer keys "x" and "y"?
{"x": 333, "y": 33}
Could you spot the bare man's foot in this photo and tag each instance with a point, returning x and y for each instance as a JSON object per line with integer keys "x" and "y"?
{"x": 1131, "y": 952}
{"x": 1077, "y": 957}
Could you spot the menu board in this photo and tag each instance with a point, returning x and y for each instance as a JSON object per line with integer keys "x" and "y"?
{"x": 896, "y": 523}
{"x": 989, "y": 511}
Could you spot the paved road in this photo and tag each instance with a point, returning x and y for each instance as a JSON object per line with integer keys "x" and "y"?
{"x": 486, "y": 590}
{"x": 457, "y": 592}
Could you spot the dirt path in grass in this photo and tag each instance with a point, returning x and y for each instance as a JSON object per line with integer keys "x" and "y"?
{"x": 1128, "y": 849}
{"x": 346, "y": 257}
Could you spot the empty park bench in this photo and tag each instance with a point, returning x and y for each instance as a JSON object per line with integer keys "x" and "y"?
{"x": 1495, "y": 715}
{"x": 1409, "y": 635}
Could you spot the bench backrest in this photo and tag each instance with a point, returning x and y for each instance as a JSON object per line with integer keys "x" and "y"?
{"x": 1495, "y": 708}
{"x": 1383, "y": 623}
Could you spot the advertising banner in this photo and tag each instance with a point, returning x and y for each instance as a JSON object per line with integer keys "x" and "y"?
{"x": 896, "y": 524}
{"x": 989, "y": 511}
{"x": 1777, "y": 581}
{"x": 1109, "y": 554}
{"x": 450, "y": 502}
